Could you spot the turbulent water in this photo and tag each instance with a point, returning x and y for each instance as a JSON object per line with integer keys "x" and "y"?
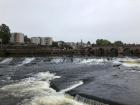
{"x": 27, "y": 81}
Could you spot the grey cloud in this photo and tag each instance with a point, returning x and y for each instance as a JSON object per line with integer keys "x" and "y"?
{"x": 73, "y": 20}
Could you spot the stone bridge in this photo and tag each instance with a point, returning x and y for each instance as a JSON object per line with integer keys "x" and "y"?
{"x": 91, "y": 51}
{"x": 115, "y": 50}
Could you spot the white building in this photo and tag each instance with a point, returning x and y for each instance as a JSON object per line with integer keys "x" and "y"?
{"x": 46, "y": 41}
{"x": 17, "y": 38}
{"x": 42, "y": 40}
{"x": 35, "y": 40}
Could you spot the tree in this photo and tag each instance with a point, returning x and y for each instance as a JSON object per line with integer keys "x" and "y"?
{"x": 118, "y": 43}
{"x": 55, "y": 44}
{"x": 61, "y": 44}
{"x": 88, "y": 43}
{"x": 27, "y": 40}
{"x": 103, "y": 42}
{"x": 4, "y": 33}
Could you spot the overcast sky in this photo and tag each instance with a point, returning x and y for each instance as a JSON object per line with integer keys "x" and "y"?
{"x": 73, "y": 20}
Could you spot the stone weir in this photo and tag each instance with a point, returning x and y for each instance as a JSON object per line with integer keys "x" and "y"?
{"x": 87, "y": 99}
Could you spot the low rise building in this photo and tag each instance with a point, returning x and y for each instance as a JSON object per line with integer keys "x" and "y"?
{"x": 35, "y": 40}
{"x": 17, "y": 38}
{"x": 42, "y": 40}
{"x": 46, "y": 41}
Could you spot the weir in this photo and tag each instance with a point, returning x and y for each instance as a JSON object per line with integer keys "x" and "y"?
{"x": 91, "y": 100}
{"x": 88, "y": 101}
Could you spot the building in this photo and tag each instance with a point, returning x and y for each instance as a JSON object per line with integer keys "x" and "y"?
{"x": 42, "y": 40}
{"x": 71, "y": 44}
{"x": 17, "y": 38}
{"x": 46, "y": 41}
{"x": 35, "y": 40}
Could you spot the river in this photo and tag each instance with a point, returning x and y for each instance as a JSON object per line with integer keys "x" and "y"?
{"x": 61, "y": 80}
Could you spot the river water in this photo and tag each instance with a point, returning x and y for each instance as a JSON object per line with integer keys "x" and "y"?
{"x": 28, "y": 81}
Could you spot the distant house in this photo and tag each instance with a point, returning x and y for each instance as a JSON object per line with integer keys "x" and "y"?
{"x": 35, "y": 40}
{"x": 46, "y": 41}
{"x": 17, "y": 38}
{"x": 42, "y": 40}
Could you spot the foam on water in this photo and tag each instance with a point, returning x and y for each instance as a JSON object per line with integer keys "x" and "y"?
{"x": 57, "y": 60}
{"x": 93, "y": 61}
{"x": 131, "y": 64}
{"x": 128, "y": 62}
{"x": 116, "y": 62}
{"x": 38, "y": 88}
{"x": 26, "y": 61}
{"x": 37, "y": 83}
{"x": 55, "y": 100}
{"x": 6, "y": 60}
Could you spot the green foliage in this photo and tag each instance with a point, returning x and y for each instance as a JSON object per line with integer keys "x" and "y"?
{"x": 27, "y": 40}
{"x": 103, "y": 42}
{"x": 2, "y": 54}
{"x": 88, "y": 43}
{"x": 55, "y": 44}
{"x": 61, "y": 44}
{"x": 4, "y": 33}
{"x": 118, "y": 43}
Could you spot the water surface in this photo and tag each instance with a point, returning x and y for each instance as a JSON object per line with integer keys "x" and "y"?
{"x": 26, "y": 81}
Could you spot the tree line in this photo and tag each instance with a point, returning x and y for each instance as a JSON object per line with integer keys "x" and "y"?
{"x": 5, "y": 38}
{"x": 104, "y": 42}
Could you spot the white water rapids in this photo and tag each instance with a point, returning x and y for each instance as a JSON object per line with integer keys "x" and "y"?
{"x": 127, "y": 62}
{"x": 6, "y": 60}
{"x": 38, "y": 87}
{"x": 26, "y": 61}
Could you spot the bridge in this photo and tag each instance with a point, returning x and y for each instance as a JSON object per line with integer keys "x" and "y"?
{"x": 115, "y": 50}
{"x": 131, "y": 50}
